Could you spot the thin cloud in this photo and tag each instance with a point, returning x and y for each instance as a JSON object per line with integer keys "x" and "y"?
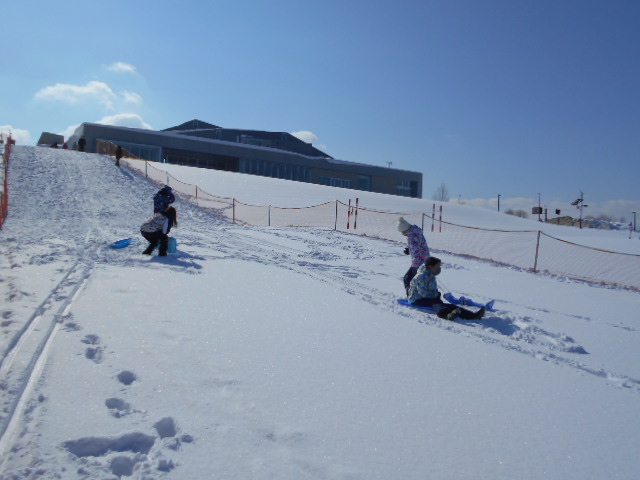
{"x": 20, "y": 135}
{"x": 615, "y": 209}
{"x": 131, "y": 97}
{"x": 122, "y": 67}
{"x": 75, "y": 94}
{"x": 132, "y": 120}
{"x": 306, "y": 136}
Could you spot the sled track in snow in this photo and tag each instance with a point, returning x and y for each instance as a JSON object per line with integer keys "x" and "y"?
{"x": 25, "y": 356}
{"x": 516, "y": 333}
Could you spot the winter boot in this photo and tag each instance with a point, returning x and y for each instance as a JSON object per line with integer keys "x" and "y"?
{"x": 453, "y": 315}
{"x": 479, "y": 314}
{"x": 148, "y": 251}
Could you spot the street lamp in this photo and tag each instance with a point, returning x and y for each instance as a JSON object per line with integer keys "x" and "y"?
{"x": 539, "y": 208}
{"x": 499, "y": 201}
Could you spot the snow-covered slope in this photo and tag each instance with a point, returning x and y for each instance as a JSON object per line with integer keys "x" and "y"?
{"x": 261, "y": 353}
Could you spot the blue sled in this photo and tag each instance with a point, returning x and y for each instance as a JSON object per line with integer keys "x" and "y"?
{"x": 125, "y": 242}
{"x": 462, "y": 301}
{"x": 173, "y": 245}
{"x": 488, "y": 306}
{"x": 405, "y": 302}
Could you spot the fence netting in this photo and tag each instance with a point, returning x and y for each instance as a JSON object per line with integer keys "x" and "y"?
{"x": 531, "y": 250}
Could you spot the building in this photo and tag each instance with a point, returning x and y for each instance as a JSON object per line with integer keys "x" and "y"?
{"x": 49, "y": 139}
{"x": 270, "y": 154}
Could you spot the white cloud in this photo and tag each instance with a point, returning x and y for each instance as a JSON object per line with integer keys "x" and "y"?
{"x": 74, "y": 94}
{"x": 132, "y": 120}
{"x": 122, "y": 67}
{"x": 66, "y": 133}
{"x": 306, "y": 136}
{"x": 615, "y": 209}
{"x": 93, "y": 91}
{"x": 19, "y": 135}
{"x": 131, "y": 97}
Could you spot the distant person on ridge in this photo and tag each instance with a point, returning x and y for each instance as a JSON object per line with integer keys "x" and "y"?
{"x": 423, "y": 292}
{"x": 416, "y": 247}
{"x": 119, "y": 155}
{"x": 163, "y": 199}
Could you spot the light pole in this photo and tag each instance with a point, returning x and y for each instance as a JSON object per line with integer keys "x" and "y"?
{"x": 539, "y": 208}
{"x": 634, "y": 221}
{"x": 499, "y": 201}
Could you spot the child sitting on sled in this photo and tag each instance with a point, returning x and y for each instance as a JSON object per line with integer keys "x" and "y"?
{"x": 423, "y": 292}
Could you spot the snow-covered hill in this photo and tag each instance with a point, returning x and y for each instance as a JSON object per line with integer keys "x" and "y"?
{"x": 260, "y": 353}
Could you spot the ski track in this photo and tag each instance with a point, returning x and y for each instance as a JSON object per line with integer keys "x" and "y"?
{"x": 335, "y": 258}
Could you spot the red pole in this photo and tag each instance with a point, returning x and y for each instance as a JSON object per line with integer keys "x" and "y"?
{"x": 433, "y": 216}
{"x": 348, "y": 214}
{"x": 440, "y": 218}
{"x": 355, "y": 221}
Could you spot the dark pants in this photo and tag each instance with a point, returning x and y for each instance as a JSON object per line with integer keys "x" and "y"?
{"x": 154, "y": 239}
{"x": 408, "y": 277}
{"x": 443, "y": 309}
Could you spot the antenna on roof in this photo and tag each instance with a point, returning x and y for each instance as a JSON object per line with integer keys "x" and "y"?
{"x": 389, "y": 164}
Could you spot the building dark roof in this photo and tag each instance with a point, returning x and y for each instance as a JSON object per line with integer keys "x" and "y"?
{"x": 192, "y": 125}
{"x": 278, "y": 140}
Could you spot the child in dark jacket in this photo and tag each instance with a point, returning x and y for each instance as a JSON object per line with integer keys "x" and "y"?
{"x": 156, "y": 228}
{"x": 163, "y": 199}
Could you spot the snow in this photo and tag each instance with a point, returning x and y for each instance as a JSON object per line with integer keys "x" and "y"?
{"x": 263, "y": 353}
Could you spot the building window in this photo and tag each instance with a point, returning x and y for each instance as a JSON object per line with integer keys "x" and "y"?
{"x": 403, "y": 188}
{"x": 335, "y": 182}
{"x": 285, "y": 171}
{"x": 364, "y": 183}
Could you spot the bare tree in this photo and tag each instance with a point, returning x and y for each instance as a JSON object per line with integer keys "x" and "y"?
{"x": 517, "y": 213}
{"x": 442, "y": 194}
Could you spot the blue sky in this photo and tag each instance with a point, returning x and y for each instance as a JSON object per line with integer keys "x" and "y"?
{"x": 524, "y": 99}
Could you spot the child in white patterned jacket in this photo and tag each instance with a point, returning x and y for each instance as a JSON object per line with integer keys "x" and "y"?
{"x": 156, "y": 228}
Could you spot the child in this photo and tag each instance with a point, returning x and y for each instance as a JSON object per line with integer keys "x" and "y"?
{"x": 163, "y": 198}
{"x": 156, "y": 228}
{"x": 416, "y": 247}
{"x": 423, "y": 291}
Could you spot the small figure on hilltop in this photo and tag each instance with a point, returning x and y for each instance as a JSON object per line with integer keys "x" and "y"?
{"x": 163, "y": 199}
{"x": 416, "y": 247}
{"x": 423, "y": 292}
{"x": 156, "y": 228}
{"x": 119, "y": 155}
{"x": 82, "y": 144}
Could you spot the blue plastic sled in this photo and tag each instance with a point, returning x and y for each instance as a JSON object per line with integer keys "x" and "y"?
{"x": 173, "y": 245}
{"x": 405, "y": 302}
{"x": 125, "y": 242}
{"x": 462, "y": 301}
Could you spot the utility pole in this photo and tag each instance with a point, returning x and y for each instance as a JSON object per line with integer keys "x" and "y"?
{"x": 539, "y": 208}
{"x": 499, "y": 201}
{"x": 579, "y": 204}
